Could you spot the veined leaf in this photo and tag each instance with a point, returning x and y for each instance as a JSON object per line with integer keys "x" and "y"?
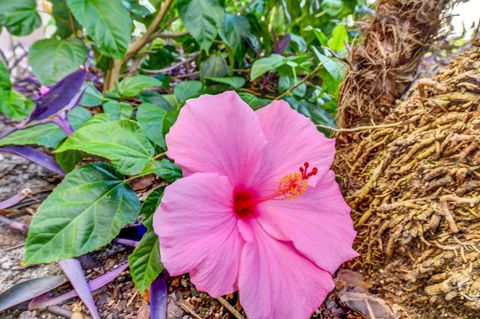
{"x": 20, "y": 17}
{"x": 267, "y": 64}
{"x": 123, "y": 142}
{"x": 53, "y": 59}
{"x": 202, "y": 18}
{"x": 188, "y": 89}
{"x": 107, "y": 23}
{"x": 151, "y": 118}
{"x": 214, "y": 66}
{"x": 165, "y": 169}
{"x": 144, "y": 262}
{"x": 132, "y": 86}
{"x": 85, "y": 212}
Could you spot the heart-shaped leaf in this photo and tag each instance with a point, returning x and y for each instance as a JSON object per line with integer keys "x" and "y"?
{"x": 107, "y": 23}
{"x": 123, "y": 142}
{"x": 85, "y": 212}
{"x": 144, "y": 262}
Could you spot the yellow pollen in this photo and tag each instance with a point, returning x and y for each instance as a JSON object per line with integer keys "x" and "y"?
{"x": 292, "y": 185}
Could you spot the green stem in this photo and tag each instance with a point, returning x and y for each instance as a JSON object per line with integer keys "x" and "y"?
{"x": 293, "y": 87}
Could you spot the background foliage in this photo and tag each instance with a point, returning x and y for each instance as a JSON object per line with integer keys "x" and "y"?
{"x": 144, "y": 60}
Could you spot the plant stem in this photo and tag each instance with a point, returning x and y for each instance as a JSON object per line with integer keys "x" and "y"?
{"x": 114, "y": 73}
{"x": 293, "y": 87}
{"x": 359, "y": 128}
{"x": 156, "y": 157}
{"x": 230, "y": 308}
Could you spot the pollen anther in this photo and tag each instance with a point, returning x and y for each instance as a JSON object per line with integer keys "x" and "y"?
{"x": 295, "y": 184}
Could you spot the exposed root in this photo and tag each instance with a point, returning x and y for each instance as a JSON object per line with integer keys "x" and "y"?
{"x": 415, "y": 194}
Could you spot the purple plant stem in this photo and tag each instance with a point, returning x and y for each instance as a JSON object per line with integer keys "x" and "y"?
{"x": 15, "y": 199}
{"x": 158, "y": 298}
{"x": 13, "y": 224}
{"x": 64, "y": 124}
{"x": 72, "y": 268}
{"x": 45, "y": 301}
{"x": 126, "y": 242}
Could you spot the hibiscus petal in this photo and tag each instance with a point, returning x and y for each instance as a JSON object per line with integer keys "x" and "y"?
{"x": 218, "y": 133}
{"x": 275, "y": 281}
{"x": 292, "y": 140}
{"x": 197, "y": 231}
{"x": 317, "y": 222}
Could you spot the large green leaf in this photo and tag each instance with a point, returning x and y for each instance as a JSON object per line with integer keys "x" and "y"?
{"x": 64, "y": 20}
{"x": 214, "y": 66}
{"x": 49, "y": 134}
{"x": 151, "y": 118}
{"x": 118, "y": 110}
{"x": 132, "y": 86}
{"x": 83, "y": 213}
{"x": 235, "y": 29}
{"x": 188, "y": 89}
{"x": 202, "y": 18}
{"x": 254, "y": 101}
{"x": 91, "y": 97}
{"x": 107, "y": 23}
{"x": 20, "y": 17}
{"x": 123, "y": 142}
{"x": 144, "y": 262}
{"x": 265, "y": 65}
{"x": 52, "y": 59}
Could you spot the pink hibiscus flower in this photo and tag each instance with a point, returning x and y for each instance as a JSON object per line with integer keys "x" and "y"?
{"x": 258, "y": 210}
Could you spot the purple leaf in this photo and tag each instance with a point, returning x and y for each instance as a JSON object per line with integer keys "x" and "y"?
{"x": 72, "y": 268}
{"x": 158, "y": 298}
{"x": 27, "y": 290}
{"x": 45, "y": 301}
{"x": 126, "y": 242}
{"x": 35, "y": 156}
{"x": 282, "y": 44}
{"x": 15, "y": 199}
{"x": 13, "y": 224}
{"x": 63, "y": 95}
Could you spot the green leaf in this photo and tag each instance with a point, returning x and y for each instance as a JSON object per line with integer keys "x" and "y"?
{"x": 144, "y": 262}
{"x": 69, "y": 159}
{"x": 132, "y": 86}
{"x": 20, "y": 17}
{"x": 265, "y": 65}
{"x": 254, "y": 101}
{"x": 150, "y": 204}
{"x": 83, "y": 213}
{"x": 118, "y": 110}
{"x": 91, "y": 97}
{"x": 214, "y": 66}
{"x": 14, "y": 105}
{"x": 52, "y": 59}
{"x": 338, "y": 39}
{"x": 107, "y": 23}
{"x": 165, "y": 169}
{"x": 333, "y": 66}
{"x": 156, "y": 98}
{"x": 123, "y": 142}
{"x": 202, "y": 18}
{"x": 235, "y": 82}
{"x": 48, "y": 134}
{"x": 286, "y": 82}
{"x": 4, "y": 77}
{"x": 64, "y": 20}
{"x": 188, "y": 89}
{"x": 151, "y": 118}
{"x": 235, "y": 29}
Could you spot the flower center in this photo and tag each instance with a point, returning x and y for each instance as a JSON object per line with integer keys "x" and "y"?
{"x": 290, "y": 186}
